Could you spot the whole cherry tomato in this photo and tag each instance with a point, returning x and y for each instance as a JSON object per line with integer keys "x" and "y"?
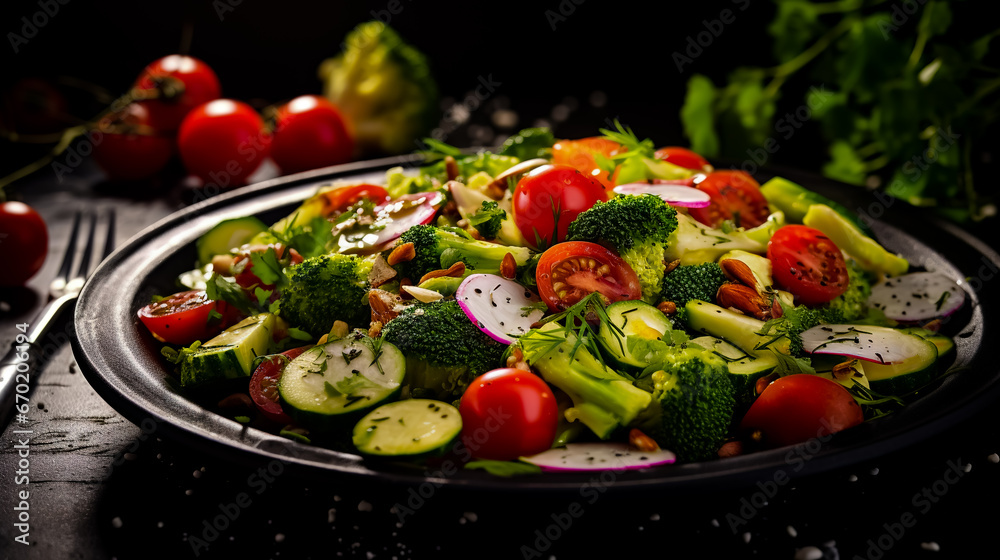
{"x": 508, "y": 413}
{"x": 808, "y": 264}
{"x": 683, "y": 157}
{"x": 181, "y": 84}
{"x": 223, "y": 142}
{"x": 548, "y": 198}
{"x": 799, "y": 407}
{"x": 310, "y": 133}
{"x": 129, "y": 147}
{"x": 568, "y": 272}
{"x": 24, "y": 243}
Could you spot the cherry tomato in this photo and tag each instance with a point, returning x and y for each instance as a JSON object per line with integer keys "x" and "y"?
{"x": 182, "y": 82}
{"x": 310, "y": 133}
{"x": 223, "y": 142}
{"x": 683, "y": 157}
{"x": 35, "y": 106}
{"x": 185, "y": 317}
{"x": 508, "y": 413}
{"x": 582, "y": 155}
{"x": 548, "y": 198}
{"x": 736, "y": 196}
{"x": 570, "y": 271}
{"x": 130, "y": 148}
{"x": 24, "y": 243}
{"x": 799, "y": 407}
{"x": 264, "y": 384}
{"x": 808, "y": 264}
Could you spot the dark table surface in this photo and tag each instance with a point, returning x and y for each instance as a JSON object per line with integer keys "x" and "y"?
{"x": 101, "y": 487}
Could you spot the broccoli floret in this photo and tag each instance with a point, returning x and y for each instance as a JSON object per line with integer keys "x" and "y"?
{"x": 697, "y": 281}
{"x": 693, "y": 403}
{"x": 603, "y": 400}
{"x": 693, "y": 242}
{"x": 488, "y": 219}
{"x": 325, "y": 289}
{"x": 638, "y": 227}
{"x": 437, "y": 248}
{"x": 853, "y": 303}
{"x": 444, "y": 350}
{"x": 384, "y": 88}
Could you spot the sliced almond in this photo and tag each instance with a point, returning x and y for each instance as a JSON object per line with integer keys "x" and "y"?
{"x": 422, "y": 294}
{"x": 641, "y": 441}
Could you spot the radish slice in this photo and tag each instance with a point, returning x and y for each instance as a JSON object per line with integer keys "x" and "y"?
{"x": 395, "y": 217}
{"x": 874, "y": 344}
{"x": 672, "y": 194}
{"x": 598, "y": 457}
{"x": 917, "y": 296}
{"x": 498, "y": 306}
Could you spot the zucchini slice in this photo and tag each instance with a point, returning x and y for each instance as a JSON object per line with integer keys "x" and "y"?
{"x": 333, "y": 384}
{"x": 227, "y": 235}
{"x": 744, "y": 369}
{"x": 231, "y": 353}
{"x": 911, "y": 374}
{"x": 409, "y": 428}
{"x": 635, "y": 319}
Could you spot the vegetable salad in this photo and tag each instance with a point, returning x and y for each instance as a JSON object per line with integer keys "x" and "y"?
{"x": 556, "y": 305}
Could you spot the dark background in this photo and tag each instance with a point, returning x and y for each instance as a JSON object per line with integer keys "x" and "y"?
{"x": 265, "y": 53}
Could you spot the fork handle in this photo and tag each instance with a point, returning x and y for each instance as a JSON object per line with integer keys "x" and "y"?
{"x": 25, "y": 349}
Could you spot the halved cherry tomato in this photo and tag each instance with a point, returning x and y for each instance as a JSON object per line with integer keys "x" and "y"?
{"x": 570, "y": 271}
{"x": 808, "y": 264}
{"x": 548, "y": 198}
{"x": 797, "y": 408}
{"x": 186, "y": 317}
{"x": 508, "y": 413}
{"x": 735, "y": 196}
{"x": 683, "y": 157}
{"x": 264, "y": 384}
{"x": 581, "y": 154}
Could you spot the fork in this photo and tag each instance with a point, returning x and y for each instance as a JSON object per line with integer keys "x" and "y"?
{"x": 17, "y": 366}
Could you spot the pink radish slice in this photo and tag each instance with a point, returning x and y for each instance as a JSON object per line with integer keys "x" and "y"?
{"x": 393, "y": 218}
{"x": 917, "y": 296}
{"x": 498, "y": 306}
{"x": 598, "y": 457}
{"x": 874, "y": 344}
{"x": 672, "y": 194}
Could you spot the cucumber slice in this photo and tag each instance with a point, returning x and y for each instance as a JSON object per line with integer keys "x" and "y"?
{"x": 634, "y": 318}
{"x": 944, "y": 344}
{"x": 332, "y": 385}
{"x": 231, "y": 353}
{"x": 410, "y": 428}
{"x": 227, "y": 235}
{"x": 908, "y": 375}
{"x": 744, "y": 369}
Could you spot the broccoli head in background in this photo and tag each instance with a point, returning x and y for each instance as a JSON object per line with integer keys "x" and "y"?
{"x": 384, "y": 88}
{"x": 697, "y": 281}
{"x": 444, "y": 350}
{"x": 638, "y": 227}
{"x": 325, "y": 289}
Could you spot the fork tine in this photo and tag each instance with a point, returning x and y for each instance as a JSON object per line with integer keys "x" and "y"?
{"x": 109, "y": 241}
{"x": 84, "y": 266}
{"x": 67, "y": 263}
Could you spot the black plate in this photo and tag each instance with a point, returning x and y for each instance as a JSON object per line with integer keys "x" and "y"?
{"x": 124, "y": 365}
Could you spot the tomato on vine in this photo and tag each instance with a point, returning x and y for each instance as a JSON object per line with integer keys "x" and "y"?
{"x": 130, "y": 147}
{"x": 223, "y": 142}
{"x": 180, "y": 83}
{"x": 309, "y": 133}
